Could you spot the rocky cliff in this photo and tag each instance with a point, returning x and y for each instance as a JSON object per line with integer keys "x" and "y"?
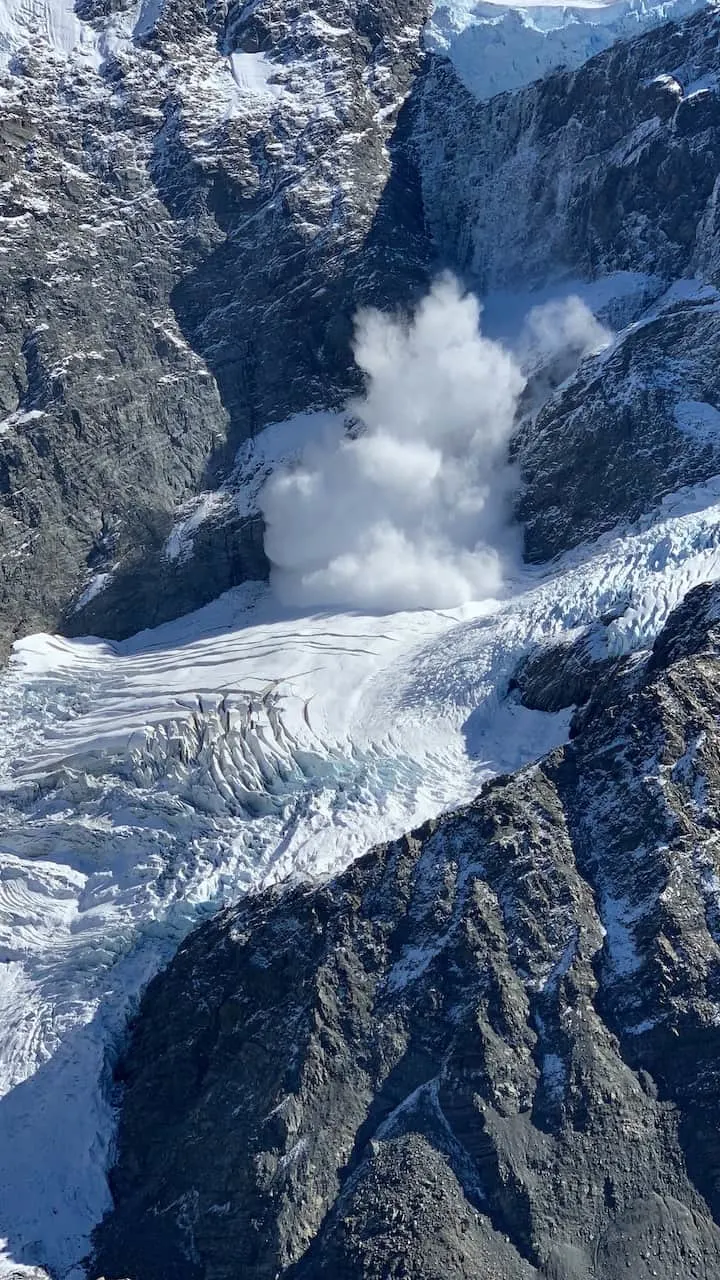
{"x": 187, "y": 232}
{"x": 612, "y": 168}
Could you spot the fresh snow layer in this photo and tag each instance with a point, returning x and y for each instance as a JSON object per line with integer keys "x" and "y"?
{"x": 51, "y": 28}
{"x": 698, "y": 419}
{"x": 148, "y": 782}
{"x": 499, "y": 47}
{"x": 52, "y": 23}
{"x": 252, "y": 73}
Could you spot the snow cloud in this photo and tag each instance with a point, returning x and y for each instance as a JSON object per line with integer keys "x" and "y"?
{"x": 565, "y": 328}
{"x": 410, "y": 508}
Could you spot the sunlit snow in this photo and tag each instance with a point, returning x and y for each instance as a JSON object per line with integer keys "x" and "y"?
{"x": 497, "y": 46}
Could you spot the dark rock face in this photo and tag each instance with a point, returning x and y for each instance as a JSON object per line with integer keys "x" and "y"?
{"x": 490, "y": 1048}
{"x": 300, "y": 223}
{"x": 611, "y": 168}
{"x": 556, "y": 676}
{"x": 189, "y": 234}
{"x": 149, "y": 590}
{"x": 608, "y": 168}
{"x": 109, "y": 418}
{"x": 632, "y": 425}
{"x": 182, "y": 258}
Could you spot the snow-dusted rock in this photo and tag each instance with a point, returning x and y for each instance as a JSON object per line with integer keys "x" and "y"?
{"x": 630, "y": 427}
{"x": 194, "y": 203}
{"x": 189, "y": 221}
{"x": 611, "y": 167}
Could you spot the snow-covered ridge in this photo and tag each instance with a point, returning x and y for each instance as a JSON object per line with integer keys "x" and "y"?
{"x": 499, "y": 47}
{"x": 495, "y": 46}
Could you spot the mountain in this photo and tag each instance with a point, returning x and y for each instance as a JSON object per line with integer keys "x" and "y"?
{"x": 488, "y": 1048}
{"x": 233, "y": 1042}
{"x": 212, "y": 193}
{"x": 192, "y": 210}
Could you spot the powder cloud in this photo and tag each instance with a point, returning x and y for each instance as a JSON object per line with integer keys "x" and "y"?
{"x": 564, "y": 328}
{"x": 412, "y": 508}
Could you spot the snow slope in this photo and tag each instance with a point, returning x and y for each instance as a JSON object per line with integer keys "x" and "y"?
{"x": 45, "y": 23}
{"x": 498, "y": 47}
{"x": 148, "y": 782}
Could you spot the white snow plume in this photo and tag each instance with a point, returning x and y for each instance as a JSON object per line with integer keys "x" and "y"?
{"x": 563, "y": 328}
{"x": 412, "y": 509}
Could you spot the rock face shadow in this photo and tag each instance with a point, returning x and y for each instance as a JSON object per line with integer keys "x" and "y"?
{"x": 271, "y": 315}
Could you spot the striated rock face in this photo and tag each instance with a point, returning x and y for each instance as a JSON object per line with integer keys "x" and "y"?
{"x": 108, "y": 418}
{"x": 187, "y": 232}
{"x": 612, "y": 167}
{"x": 490, "y": 1048}
{"x": 302, "y": 210}
{"x": 631, "y": 426}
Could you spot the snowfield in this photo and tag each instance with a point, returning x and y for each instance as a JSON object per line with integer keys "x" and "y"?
{"x": 147, "y": 783}
{"x": 51, "y": 23}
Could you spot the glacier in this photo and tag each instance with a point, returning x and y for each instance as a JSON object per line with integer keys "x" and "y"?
{"x": 147, "y": 783}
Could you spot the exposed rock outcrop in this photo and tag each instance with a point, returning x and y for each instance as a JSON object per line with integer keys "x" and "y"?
{"x": 634, "y": 424}
{"x": 610, "y": 168}
{"x": 190, "y": 229}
